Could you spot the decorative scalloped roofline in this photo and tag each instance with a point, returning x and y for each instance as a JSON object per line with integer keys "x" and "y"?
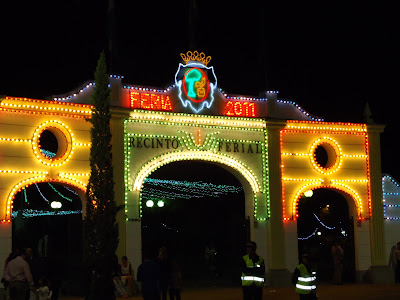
{"x": 89, "y": 84}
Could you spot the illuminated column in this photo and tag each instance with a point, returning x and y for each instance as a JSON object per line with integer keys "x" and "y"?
{"x": 116, "y": 92}
{"x": 118, "y": 160}
{"x": 277, "y": 255}
{"x": 377, "y": 232}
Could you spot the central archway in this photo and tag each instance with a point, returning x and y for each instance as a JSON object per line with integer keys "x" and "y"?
{"x": 201, "y": 203}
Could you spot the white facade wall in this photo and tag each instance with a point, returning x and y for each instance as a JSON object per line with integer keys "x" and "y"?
{"x": 5, "y": 243}
{"x": 363, "y": 246}
{"x": 291, "y": 245}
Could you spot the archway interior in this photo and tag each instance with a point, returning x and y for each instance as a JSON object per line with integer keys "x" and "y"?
{"x": 323, "y": 219}
{"x": 202, "y": 203}
{"x": 54, "y": 234}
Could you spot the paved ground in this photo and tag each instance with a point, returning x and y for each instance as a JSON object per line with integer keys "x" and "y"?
{"x": 325, "y": 292}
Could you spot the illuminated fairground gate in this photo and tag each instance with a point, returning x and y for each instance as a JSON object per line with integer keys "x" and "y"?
{"x": 271, "y": 146}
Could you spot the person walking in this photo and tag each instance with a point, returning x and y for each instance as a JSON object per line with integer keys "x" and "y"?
{"x": 392, "y": 263}
{"x": 304, "y": 279}
{"x": 210, "y": 255}
{"x": 175, "y": 282}
{"x": 164, "y": 264}
{"x": 337, "y": 256}
{"x": 396, "y": 257}
{"x": 19, "y": 277}
{"x": 253, "y": 270}
{"x": 149, "y": 275}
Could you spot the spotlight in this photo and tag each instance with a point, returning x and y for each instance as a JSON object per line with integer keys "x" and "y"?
{"x": 55, "y": 204}
{"x": 308, "y": 193}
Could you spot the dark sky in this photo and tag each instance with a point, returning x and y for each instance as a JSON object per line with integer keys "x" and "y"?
{"x": 330, "y": 58}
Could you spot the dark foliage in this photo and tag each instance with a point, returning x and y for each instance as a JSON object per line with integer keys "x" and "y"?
{"x": 101, "y": 228}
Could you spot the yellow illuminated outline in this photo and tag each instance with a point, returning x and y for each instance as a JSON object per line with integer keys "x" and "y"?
{"x": 37, "y": 179}
{"x": 338, "y": 154}
{"x": 337, "y": 186}
{"x": 322, "y": 132}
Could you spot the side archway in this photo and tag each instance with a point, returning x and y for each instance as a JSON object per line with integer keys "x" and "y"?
{"x": 326, "y": 222}
{"x": 47, "y": 217}
{"x": 39, "y": 179}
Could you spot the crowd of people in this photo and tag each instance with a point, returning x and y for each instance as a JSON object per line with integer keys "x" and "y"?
{"x": 162, "y": 276}
{"x": 18, "y": 279}
{"x": 157, "y": 277}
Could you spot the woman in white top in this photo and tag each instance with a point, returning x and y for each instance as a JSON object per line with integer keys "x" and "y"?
{"x": 127, "y": 277}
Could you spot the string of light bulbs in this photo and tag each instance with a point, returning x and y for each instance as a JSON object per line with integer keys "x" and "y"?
{"x": 29, "y": 213}
{"x": 45, "y": 199}
{"x": 323, "y": 223}
{"x": 61, "y": 195}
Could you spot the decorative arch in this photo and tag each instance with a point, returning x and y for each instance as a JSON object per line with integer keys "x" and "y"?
{"x": 336, "y": 186}
{"x": 32, "y": 180}
{"x": 156, "y": 163}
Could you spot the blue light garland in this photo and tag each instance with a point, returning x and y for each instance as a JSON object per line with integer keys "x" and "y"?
{"x": 304, "y": 112}
{"x": 72, "y": 191}
{"x": 323, "y": 223}
{"x": 388, "y": 183}
{"x": 306, "y": 238}
{"x": 41, "y": 193}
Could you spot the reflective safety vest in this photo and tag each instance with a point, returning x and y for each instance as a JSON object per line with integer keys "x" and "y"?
{"x": 306, "y": 281}
{"x": 248, "y": 280}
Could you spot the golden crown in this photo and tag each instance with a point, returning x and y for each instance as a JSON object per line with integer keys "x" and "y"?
{"x": 201, "y": 57}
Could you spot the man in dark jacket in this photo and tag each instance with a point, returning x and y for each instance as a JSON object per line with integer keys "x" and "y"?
{"x": 148, "y": 275}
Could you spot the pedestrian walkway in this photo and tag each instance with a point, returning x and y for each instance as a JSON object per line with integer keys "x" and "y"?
{"x": 325, "y": 292}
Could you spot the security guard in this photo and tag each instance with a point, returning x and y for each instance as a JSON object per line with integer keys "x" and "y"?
{"x": 304, "y": 280}
{"x": 253, "y": 270}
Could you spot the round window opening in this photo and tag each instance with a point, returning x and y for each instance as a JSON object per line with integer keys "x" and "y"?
{"x": 325, "y": 156}
{"x": 52, "y": 143}
{"x": 48, "y": 144}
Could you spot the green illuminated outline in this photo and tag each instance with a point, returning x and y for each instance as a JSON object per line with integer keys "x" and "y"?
{"x": 264, "y": 155}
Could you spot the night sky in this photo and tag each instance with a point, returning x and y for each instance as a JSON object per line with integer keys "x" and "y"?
{"x": 330, "y": 58}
